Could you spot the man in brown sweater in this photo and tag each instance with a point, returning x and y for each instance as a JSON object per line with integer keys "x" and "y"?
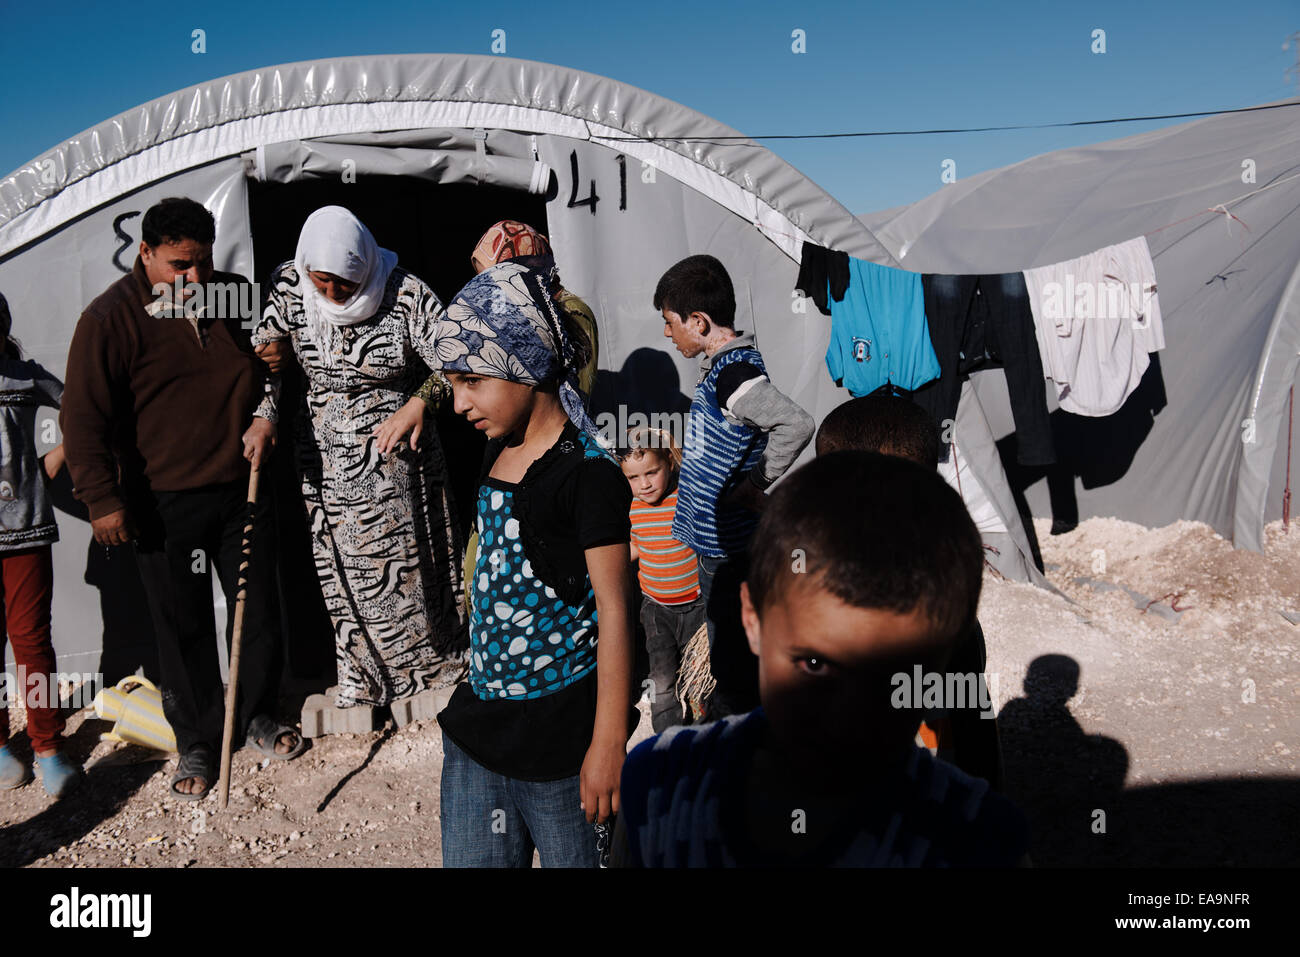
{"x": 159, "y": 434}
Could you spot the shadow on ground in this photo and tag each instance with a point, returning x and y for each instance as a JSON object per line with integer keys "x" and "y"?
{"x": 1071, "y": 786}
{"x": 107, "y": 787}
{"x": 343, "y": 781}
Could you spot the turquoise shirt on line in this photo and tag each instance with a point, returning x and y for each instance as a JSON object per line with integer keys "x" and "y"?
{"x": 879, "y": 333}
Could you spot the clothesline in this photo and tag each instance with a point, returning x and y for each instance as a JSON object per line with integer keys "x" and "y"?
{"x": 922, "y": 333}
{"x": 739, "y": 139}
{"x": 1094, "y": 381}
{"x": 1217, "y": 208}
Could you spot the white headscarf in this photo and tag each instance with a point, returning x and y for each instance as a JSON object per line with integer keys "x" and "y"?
{"x": 334, "y": 241}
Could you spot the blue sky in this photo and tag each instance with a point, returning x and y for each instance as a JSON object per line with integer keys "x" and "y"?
{"x": 868, "y": 66}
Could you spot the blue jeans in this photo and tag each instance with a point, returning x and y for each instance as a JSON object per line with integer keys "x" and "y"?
{"x": 490, "y": 820}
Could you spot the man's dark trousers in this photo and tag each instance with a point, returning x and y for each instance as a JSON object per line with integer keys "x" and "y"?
{"x": 181, "y": 535}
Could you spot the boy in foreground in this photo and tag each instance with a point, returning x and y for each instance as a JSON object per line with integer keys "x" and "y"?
{"x": 892, "y": 425}
{"x": 841, "y": 600}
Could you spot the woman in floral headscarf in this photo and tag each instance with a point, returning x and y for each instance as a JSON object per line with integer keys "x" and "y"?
{"x": 386, "y": 546}
{"x": 509, "y": 240}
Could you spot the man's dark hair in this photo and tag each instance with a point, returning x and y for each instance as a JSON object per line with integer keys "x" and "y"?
{"x": 698, "y": 284}
{"x": 876, "y": 531}
{"x": 888, "y": 424}
{"x": 175, "y": 219}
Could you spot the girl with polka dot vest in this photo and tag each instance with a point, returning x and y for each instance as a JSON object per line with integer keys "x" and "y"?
{"x": 535, "y": 740}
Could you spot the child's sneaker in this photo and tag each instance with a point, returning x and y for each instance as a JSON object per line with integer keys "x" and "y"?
{"x": 59, "y": 774}
{"x": 14, "y": 773}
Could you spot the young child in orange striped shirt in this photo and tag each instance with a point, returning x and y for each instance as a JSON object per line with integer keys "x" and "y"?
{"x": 672, "y": 609}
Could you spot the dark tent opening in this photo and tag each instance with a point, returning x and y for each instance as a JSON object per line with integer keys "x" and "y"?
{"x": 433, "y": 229}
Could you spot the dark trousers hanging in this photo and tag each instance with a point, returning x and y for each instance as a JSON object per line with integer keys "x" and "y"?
{"x": 982, "y": 322}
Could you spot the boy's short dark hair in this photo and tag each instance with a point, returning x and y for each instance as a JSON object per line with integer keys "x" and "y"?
{"x": 876, "y": 531}
{"x": 888, "y": 424}
{"x": 175, "y": 219}
{"x": 698, "y": 284}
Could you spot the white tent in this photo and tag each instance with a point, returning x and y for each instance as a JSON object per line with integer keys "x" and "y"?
{"x": 428, "y": 150}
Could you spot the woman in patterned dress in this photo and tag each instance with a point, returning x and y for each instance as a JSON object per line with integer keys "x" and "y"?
{"x": 386, "y": 546}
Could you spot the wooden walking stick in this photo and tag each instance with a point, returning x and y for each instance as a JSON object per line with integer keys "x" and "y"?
{"x": 236, "y": 640}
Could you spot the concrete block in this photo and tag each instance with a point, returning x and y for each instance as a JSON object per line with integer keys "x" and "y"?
{"x": 322, "y": 716}
{"x": 420, "y": 707}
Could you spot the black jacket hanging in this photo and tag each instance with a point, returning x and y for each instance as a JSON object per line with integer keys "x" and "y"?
{"x": 822, "y": 270}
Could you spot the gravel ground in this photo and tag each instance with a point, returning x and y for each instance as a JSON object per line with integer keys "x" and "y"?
{"x": 1130, "y": 736}
{"x": 350, "y": 800}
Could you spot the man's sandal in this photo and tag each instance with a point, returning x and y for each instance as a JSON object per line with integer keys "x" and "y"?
{"x": 197, "y": 762}
{"x": 265, "y": 732}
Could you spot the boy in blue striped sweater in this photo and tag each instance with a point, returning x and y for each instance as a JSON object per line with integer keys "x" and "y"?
{"x": 744, "y": 433}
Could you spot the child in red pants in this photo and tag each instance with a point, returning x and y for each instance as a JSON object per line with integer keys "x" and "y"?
{"x": 27, "y": 532}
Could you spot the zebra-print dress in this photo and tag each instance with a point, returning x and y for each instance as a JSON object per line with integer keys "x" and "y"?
{"x": 385, "y": 542}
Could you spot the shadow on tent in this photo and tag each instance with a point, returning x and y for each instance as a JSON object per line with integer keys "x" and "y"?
{"x": 647, "y": 383}
{"x": 1071, "y": 785}
{"x": 1097, "y": 451}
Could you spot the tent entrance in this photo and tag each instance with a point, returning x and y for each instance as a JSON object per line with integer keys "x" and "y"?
{"x": 433, "y": 228}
